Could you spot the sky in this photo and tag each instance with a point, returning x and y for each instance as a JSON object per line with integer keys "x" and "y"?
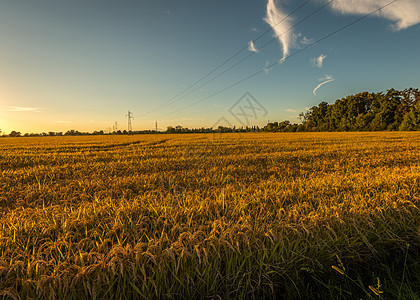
{"x": 83, "y": 64}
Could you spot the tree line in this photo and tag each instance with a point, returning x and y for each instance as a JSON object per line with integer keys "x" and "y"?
{"x": 74, "y": 133}
{"x": 170, "y": 129}
{"x": 219, "y": 129}
{"x": 390, "y": 110}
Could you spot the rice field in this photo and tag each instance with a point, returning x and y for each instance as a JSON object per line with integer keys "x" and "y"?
{"x": 211, "y": 216}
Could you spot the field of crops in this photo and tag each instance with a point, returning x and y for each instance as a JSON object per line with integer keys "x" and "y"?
{"x": 229, "y": 216}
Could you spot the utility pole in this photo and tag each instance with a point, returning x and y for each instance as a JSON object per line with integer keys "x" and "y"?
{"x": 130, "y": 117}
{"x": 156, "y": 126}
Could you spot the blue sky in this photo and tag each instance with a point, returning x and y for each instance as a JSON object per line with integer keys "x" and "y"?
{"x": 83, "y": 64}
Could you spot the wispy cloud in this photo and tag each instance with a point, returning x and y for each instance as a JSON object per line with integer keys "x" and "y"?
{"x": 318, "y": 61}
{"x": 277, "y": 20}
{"x": 306, "y": 41}
{"x": 23, "y": 109}
{"x": 252, "y": 47}
{"x": 267, "y": 70}
{"x": 299, "y": 39}
{"x": 281, "y": 23}
{"x": 254, "y": 29}
{"x": 403, "y": 13}
{"x": 291, "y": 110}
{"x": 325, "y": 80}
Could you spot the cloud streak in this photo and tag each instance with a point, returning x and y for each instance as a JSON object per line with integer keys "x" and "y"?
{"x": 23, "y": 109}
{"x": 267, "y": 69}
{"x": 280, "y": 25}
{"x": 318, "y": 61}
{"x": 403, "y": 13}
{"x": 326, "y": 79}
{"x": 252, "y": 47}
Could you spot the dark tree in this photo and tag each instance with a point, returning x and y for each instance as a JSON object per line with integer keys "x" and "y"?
{"x": 15, "y": 134}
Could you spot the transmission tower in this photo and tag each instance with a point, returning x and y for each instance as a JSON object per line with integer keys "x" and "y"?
{"x": 156, "y": 126}
{"x": 130, "y": 117}
{"x": 115, "y": 126}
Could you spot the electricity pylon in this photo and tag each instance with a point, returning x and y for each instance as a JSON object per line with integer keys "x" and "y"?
{"x": 130, "y": 117}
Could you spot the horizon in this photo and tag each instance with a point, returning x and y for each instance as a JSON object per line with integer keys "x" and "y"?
{"x": 83, "y": 66}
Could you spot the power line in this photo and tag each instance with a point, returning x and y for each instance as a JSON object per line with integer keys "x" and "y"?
{"x": 286, "y": 57}
{"x": 170, "y": 101}
{"x": 251, "y": 54}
